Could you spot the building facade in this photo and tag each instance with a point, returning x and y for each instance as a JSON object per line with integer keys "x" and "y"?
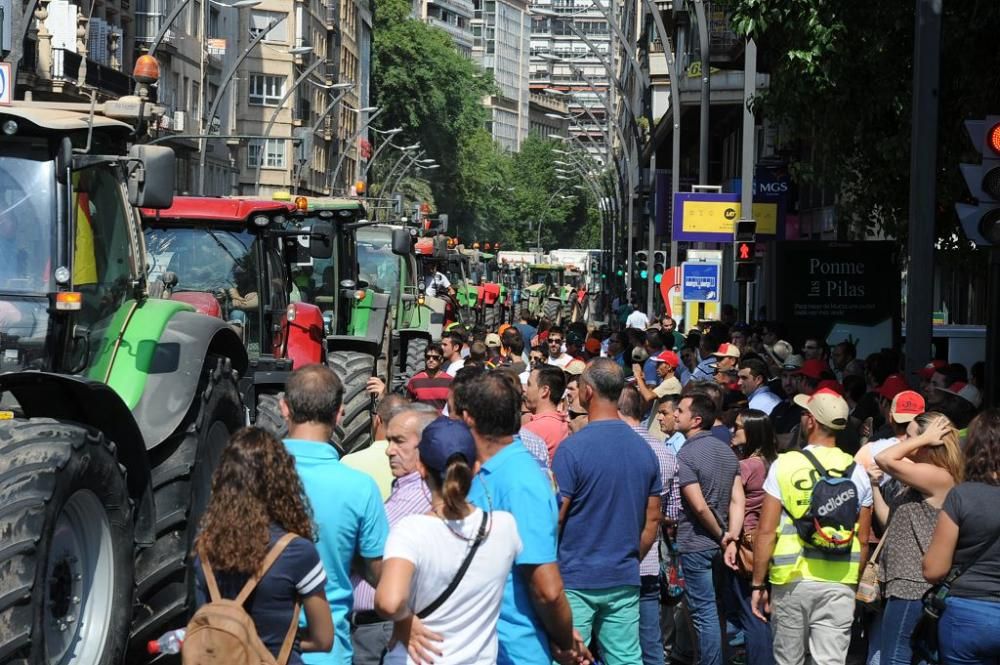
{"x": 501, "y": 32}
{"x": 452, "y": 16}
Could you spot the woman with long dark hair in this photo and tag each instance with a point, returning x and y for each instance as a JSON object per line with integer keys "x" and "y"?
{"x": 756, "y": 446}
{"x": 456, "y": 546}
{"x": 256, "y": 500}
{"x": 967, "y": 540}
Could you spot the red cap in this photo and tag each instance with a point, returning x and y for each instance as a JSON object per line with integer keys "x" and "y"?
{"x": 892, "y": 386}
{"x": 727, "y": 350}
{"x": 812, "y": 368}
{"x": 927, "y": 371}
{"x": 906, "y": 406}
{"x": 593, "y": 346}
{"x": 668, "y": 357}
{"x": 831, "y": 384}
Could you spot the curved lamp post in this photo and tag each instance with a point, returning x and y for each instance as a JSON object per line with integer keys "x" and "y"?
{"x": 296, "y": 170}
{"x": 351, "y": 141}
{"x": 226, "y": 80}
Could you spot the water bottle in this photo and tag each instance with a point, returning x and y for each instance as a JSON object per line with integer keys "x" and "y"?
{"x": 169, "y": 643}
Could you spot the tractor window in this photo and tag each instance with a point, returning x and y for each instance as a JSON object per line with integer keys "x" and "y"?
{"x": 27, "y": 217}
{"x": 103, "y": 257}
{"x": 377, "y": 264}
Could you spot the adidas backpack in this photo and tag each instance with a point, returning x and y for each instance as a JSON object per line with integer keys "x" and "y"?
{"x": 828, "y": 523}
{"x": 221, "y": 632}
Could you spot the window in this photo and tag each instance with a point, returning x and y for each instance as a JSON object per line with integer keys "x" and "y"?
{"x": 260, "y": 20}
{"x": 266, "y": 90}
{"x": 274, "y": 153}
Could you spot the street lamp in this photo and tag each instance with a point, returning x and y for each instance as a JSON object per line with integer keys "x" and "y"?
{"x": 312, "y": 130}
{"x": 226, "y": 80}
{"x": 179, "y": 7}
{"x": 374, "y": 111}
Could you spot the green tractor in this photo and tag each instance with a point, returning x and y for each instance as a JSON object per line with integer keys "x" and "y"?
{"x": 415, "y": 317}
{"x": 114, "y": 407}
{"x": 546, "y": 294}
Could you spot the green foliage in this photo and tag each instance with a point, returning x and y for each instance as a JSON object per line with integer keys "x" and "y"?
{"x": 435, "y": 95}
{"x": 842, "y": 86}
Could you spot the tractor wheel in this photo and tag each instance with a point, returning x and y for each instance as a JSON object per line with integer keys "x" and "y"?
{"x": 354, "y": 369}
{"x": 415, "y": 349}
{"x": 550, "y": 310}
{"x": 66, "y": 570}
{"x": 269, "y": 415}
{"x": 182, "y": 476}
{"x": 491, "y": 317}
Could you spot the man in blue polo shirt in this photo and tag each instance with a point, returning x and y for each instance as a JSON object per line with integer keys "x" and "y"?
{"x": 536, "y": 624}
{"x": 346, "y": 504}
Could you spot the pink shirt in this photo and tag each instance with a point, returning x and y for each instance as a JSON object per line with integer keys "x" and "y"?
{"x": 552, "y": 427}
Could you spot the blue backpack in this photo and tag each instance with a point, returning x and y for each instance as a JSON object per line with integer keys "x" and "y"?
{"x": 828, "y": 523}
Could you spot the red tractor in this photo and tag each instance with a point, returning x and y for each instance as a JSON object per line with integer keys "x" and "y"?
{"x": 230, "y": 258}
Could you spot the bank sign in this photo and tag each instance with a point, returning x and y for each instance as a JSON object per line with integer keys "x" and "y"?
{"x": 840, "y": 290}
{"x": 702, "y": 217}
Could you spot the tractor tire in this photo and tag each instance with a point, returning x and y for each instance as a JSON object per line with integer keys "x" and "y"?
{"x": 550, "y": 310}
{"x": 269, "y": 415}
{"x": 66, "y": 568}
{"x": 415, "y": 350}
{"x": 354, "y": 369}
{"x": 491, "y": 317}
{"x": 182, "y": 468}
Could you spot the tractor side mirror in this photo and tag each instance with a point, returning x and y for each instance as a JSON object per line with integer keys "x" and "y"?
{"x": 321, "y": 240}
{"x": 151, "y": 173}
{"x": 402, "y": 242}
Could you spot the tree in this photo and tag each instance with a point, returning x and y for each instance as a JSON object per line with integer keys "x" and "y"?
{"x": 841, "y": 90}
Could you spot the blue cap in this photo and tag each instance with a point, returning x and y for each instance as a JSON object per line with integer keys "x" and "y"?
{"x": 443, "y": 439}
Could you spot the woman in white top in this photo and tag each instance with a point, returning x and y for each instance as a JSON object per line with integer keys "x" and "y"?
{"x": 424, "y": 554}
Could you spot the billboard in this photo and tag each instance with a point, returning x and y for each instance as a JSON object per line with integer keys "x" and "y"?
{"x": 840, "y": 290}
{"x": 710, "y": 217}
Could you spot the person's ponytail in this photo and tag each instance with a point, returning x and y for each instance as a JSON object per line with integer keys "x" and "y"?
{"x": 455, "y": 488}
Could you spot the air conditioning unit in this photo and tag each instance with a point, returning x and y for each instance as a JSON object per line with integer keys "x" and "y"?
{"x": 180, "y": 120}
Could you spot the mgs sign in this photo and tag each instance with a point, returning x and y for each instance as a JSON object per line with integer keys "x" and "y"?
{"x": 847, "y": 285}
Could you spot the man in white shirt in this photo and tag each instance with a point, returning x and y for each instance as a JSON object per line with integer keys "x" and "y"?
{"x": 437, "y": 284}
{"x": 451, "y": 346}
{"x": 753, "y": 384}
{"x": 637, "y": 319}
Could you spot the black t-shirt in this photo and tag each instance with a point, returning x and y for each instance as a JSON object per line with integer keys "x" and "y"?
{"x": 297, "y": 573}
{"x": 973, "y": 507}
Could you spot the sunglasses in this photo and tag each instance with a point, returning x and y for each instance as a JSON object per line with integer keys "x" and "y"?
{"x": 555, "y": 341}
{"x": 433, "y": 357}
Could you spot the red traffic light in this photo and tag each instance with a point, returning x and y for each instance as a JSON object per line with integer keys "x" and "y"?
{"x": 993, "y": 138}
{"x": 744, "y": 251}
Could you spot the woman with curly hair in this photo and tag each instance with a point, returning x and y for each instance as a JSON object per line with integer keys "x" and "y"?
{"x": 256, "y": 500}
{"x": 967, "y": 541}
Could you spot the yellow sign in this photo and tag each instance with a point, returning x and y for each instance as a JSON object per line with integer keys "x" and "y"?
{"x": 720, "y": 216}
{"x": 6, "y": 415}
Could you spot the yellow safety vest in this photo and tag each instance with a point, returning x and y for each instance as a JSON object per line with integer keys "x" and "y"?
{"x": 793, "y": 558}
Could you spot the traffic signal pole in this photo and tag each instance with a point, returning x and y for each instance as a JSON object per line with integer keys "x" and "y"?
{"x": 923, "y": 165}
{"x": 748, "y": 160}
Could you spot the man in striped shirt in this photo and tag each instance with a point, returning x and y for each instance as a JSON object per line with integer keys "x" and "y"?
{"x": 650, "y": 636}
{"x": 431, "y": 385}
{"x": 370, "y": 634}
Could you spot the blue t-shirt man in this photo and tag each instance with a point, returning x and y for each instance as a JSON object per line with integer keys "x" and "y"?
{"x": 511, "y": 480}
{"x": 350, "y": 520}
{"x": 608, "y": 473}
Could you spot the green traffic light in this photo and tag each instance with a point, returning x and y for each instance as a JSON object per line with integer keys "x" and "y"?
{"x": 658, "y": 278}
{"x": 604, "y": 276}
{"x": 620, "y": 272}
{"x": 644, "y": 274}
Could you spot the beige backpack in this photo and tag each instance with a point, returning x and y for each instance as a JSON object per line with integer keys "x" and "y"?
{"x": 221, "y": 632}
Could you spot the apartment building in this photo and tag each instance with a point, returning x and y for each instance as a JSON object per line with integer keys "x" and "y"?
{"x": 501, "y": 31}
{"x": 563, "y": 61}
{"x": 452, "y": 16}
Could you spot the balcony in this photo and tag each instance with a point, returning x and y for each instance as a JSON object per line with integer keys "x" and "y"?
{"x": 462, "y": 8}
{"x": 462, "y": 36}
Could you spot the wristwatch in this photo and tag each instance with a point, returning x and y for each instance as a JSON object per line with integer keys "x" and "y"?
{"x": 758, "y": 587}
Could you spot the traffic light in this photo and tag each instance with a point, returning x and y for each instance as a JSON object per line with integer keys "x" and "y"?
{"x": 641, "y": 264}
{"x": 745, "y": 230}
{"x": 981, "y": 222}
{"x": 744, "y": 250}
{"x": 659, "y": 262}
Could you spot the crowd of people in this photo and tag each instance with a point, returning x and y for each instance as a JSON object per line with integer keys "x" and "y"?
{"x": 587, "y": 494}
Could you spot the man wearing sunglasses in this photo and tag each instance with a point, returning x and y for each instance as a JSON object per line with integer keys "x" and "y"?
{"x": 431, "y": 385}
{"x": 557, "y": 356}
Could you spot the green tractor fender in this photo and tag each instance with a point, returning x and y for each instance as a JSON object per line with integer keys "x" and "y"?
{"x": 165, "y": 352}
{"x": 82, "y": 400}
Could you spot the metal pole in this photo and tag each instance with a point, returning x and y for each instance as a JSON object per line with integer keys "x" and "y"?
{"x": 371, "y": 162}
{"x": 340, "y": 160}
{"x": 991, "y": 394}
{"x": 297, "y": 169}
{"x": 706, "y": 90}
{"x": 165, "y": 26}
{"x": 748, "y": 160}
{"x": 923, "y": 163}
{"x": 226, "y": 80}
{"x": 274, "y": 115}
